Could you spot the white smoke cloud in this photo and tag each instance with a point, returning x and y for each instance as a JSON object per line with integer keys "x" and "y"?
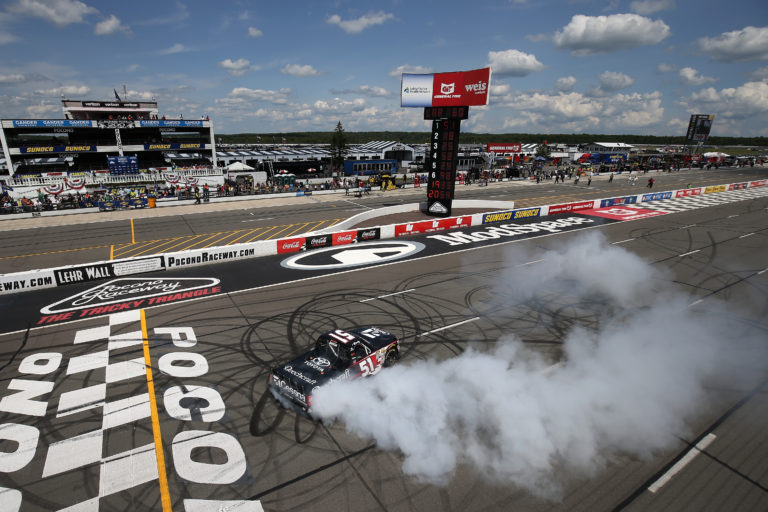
{"x": 625, "y": 388}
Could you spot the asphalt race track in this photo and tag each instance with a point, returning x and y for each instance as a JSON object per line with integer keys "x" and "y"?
{"x": 163, "y": 405}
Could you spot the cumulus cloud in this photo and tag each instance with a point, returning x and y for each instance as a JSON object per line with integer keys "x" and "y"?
{"x": 339, "y": 106}
{"x": 663, "y": 67}
{"x": 66, "y": 90}
{"x": 237, "y": 67}
{"x": 407, "y": 68}
{"x": 690, "y": 76}
{"x": 743, "y": 102}
{"x": 22, "y": 78}
{"x": 506, "y": 415}
{"x": 254, "y": 32}
{"x": 42, "y": 109}
{"x": 614, "y": 81}
{"x": 176, "y": 48}
{"x": 759, "y": 74}
{"x": 587, "y": 35}
{"x": 565, "y": 83}
{"x": 58, "y": 12}
{"x": 111, "y": 25}
{"x": 355, "y": 26}
{"x": 299, "y": 70}
{"x": 651, "y": 6}
{"x": 513, "y": 63}
{"x": 244, "y": 93}
{"x": 749, "y": 43}
{"x": 365, "y": 90}
{"x": 577, "y": 112}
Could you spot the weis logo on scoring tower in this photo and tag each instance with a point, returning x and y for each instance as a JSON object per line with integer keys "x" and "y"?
{"x": 476, "y": 87}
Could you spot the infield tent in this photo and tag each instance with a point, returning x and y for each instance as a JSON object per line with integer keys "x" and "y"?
{"x": 239, "y": 166}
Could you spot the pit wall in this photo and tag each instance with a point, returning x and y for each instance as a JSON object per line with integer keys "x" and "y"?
{"x": 60, "y": 276}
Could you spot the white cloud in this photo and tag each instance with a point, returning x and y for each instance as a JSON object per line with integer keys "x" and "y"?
{"x": 176, "y": 48}
{"x": 407, "y": 68}
{"x": 245, "y": 93}
{"x": 576, "y": 112}
{"x": 14, "y": 78}
{"x": 110, "y": 25}
{"x": 237, "y": 67}
{"x": 299, "y": 70}
{"x": 42, "y": 109}
{"x": 366, "y": 90}
{"x": 587, "y": 35}
{"x": 58, "y": 12}
{"x": 513, "y": 63}
{"x": 500, "y": 89}
{"x": 663, "y": 67}
{"x": 651, "y": 6}
{"x": 749, "y": 43}
{"x": 690, "y": 76}
{"x": 139, "y": 95}
{"x": 759, "y": 73}
{"x": 356, "y": 26}
{"x": 339, "y": 106}
{"x": 254, "y": 32}
{"x": 67, "y": 90}
{"x": 565, "y": 83}
{"x": 614, "y": 81}
{"x": 743, "y": 102}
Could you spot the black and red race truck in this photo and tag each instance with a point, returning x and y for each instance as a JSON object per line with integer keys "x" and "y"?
{"x": 337, "y": 354}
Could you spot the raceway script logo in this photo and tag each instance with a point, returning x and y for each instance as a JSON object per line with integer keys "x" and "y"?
{"x": 127, "y": 294}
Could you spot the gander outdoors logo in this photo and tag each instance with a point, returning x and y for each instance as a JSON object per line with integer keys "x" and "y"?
{"x": 127, "y": 294}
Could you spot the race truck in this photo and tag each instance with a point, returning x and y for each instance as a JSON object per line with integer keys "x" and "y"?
{"x": 337, "y": 355}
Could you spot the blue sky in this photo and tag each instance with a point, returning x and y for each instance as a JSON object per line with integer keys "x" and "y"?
{"x": 637, "y": 66}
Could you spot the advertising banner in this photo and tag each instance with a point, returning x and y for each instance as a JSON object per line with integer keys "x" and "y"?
{"x": 291, "y": 245}
{"x": 699, "y": 127}
{"x": 618, "y": 200}
{"x": 688, "y": 192}
{"x": 460, "y": 88}
{"x": 511, "y": 215}
{"x": 56, "y": 149}
{"x": 23, "y": 281}
{"x": 571, "y": 207}
{"x": 428, "y": 226}
{"x": 504, "y": 148}
{"x": 657, "y": 196}
{"x": 738, "y": 186}
{"x": 758, "y": 183}
{"x": 344, "y": 237}
{"x": 715, "y": 188}
{"x": 52, "y": 123}
{"x": 365, "y": 235}
{"x": 157, "y": 123}
{"x": 175, "y": 145}
{"x": 318, "y": 241}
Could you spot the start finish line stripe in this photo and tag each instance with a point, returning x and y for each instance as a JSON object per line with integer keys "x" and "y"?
{"x": 165, "y": 495}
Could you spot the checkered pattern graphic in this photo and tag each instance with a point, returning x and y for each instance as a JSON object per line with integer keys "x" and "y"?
{"x": 115, "y": 362}
{"x": 681, "y": 204}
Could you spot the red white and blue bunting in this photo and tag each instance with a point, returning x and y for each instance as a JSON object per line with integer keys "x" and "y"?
{"x": 55, "y": 190}
{"x": 75, "y": 183}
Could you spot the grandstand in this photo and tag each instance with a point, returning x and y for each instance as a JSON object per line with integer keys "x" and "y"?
{"x": 107, "y": 142}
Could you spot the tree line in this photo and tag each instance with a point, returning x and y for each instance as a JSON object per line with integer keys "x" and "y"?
{"x": 481, "y": 138}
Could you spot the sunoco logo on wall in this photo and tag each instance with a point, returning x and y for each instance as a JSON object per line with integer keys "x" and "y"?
{"x": 129, "y": 293}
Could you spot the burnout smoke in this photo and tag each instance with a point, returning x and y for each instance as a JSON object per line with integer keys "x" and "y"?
{"x": 625, "y": 388}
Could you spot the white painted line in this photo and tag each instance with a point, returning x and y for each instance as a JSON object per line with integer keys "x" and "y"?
{"x": 695, "y": 302}
{"x": 688, "y": 226}
{"x": 687, "y": 458}
{"x": 763, "y": 271}
{"x": 529, "y": 263}
{"x": 256, "y": 220}
{"x": 732, "y": 216}
{"x": 447, "y": 327}
{"x": 622, "y": 241}
{"x": 686, "y": 254}
{"x": 387, "y": 295}
{"x": 745, "y": 236}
